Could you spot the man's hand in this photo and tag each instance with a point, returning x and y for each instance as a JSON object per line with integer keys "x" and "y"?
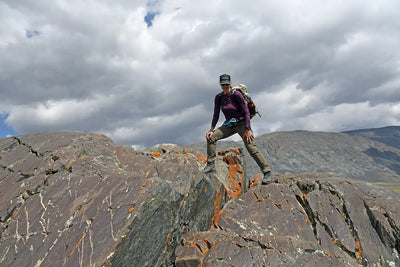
{"x": 209, "y": 134}
{"x": 248, "y": 136}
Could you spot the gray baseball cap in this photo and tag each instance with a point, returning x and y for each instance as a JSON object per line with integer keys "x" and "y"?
{"x": 224, "y": 79}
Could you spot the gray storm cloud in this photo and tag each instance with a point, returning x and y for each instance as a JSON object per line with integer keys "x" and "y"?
{"x": 101, "y": 67}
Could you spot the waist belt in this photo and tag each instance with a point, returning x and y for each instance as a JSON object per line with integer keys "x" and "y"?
{"x": 233, "y": 122}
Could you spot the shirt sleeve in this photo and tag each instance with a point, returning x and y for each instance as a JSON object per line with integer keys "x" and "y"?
{"x": 243, "y": 107}
{"x": 217, "y": 107}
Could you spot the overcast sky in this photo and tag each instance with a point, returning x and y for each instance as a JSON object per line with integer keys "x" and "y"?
{"x": 146, "y": 72}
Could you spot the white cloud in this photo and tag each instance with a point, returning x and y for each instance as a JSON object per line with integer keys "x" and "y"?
{"x": 57, "y": 114}
{"x": 183, "y": 126}
{"x": 352, "y": 116}
{"x": 97, "y": 66}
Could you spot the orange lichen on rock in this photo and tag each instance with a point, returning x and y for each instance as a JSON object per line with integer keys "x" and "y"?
{"x": 167, "y": 242}
{"x": 156, "y": 154}
{"x": 217, "y": 208}
{"x": 298, "y": 224}
{"x": 185, "y": 152}
{"x": 202, "y": 158}
{"x": 168, "y": 237}
{"x": 359, "y": 249}
{"x": 118, "y": 171}
{"x": 236, "y": 177}
{"x": 380, "y": 206}
{"x": 77, "y": 245}
{"x": 203, "y": 246}
{"x": 145, "y": 185}
{"x": 256, "y": 180}
{"x": 307, "y": 220}
{"x": 287, "y": 203}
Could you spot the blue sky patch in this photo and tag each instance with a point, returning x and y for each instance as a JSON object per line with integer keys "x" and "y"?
{"x": 149, "y": 18}
{"x": 6, "y": 130}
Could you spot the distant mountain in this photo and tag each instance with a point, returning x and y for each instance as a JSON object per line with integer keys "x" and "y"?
{"x": 388, "y": 135}
{"x": 304, "y": 151}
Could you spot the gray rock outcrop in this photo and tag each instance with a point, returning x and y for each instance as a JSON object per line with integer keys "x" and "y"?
{"x": 76, "y": 199}
{"x": 302, "y": 220}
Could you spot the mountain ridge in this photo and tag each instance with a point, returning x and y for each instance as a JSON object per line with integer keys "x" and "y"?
{"x": 389, "y": 135}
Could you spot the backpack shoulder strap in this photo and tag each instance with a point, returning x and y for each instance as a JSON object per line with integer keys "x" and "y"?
{"x": 231, "y": 93}
{"x": 234, "y": 99}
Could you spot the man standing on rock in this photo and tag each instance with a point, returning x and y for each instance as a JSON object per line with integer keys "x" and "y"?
{"x": 237, "y": 117}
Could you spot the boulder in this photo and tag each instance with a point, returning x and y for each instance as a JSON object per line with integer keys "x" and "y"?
{"x": 76, "y": 199}
{"x": 302, "y": 220}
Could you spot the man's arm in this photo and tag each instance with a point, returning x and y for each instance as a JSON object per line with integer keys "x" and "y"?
{"x": 217, "y": 106}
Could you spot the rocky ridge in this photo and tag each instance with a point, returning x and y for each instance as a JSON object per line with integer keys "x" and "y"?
{"x": 77, "y": 199}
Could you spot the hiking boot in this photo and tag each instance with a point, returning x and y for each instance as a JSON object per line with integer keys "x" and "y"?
{"x": 210, "y": 167}
{"x": 267, "y": 178}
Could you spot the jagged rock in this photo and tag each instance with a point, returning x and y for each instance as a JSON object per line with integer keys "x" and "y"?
{"x": 302, "y": 220}
{"x": 76, "y": 199}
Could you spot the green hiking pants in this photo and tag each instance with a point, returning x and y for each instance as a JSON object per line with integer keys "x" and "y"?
{"x": 224, "y": 132}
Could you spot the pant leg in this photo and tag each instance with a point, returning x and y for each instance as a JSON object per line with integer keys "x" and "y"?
{"x": 220, "y": 133}
{"x": 253, "y": 150}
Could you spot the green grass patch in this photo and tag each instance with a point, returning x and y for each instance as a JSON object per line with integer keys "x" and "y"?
{"x": 393, "y": 186}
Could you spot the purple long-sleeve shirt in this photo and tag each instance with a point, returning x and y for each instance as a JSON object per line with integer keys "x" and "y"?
{"x": 233, "y": 106}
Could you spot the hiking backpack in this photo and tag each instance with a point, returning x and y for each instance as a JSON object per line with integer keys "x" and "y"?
{"x": 250, "y": 104}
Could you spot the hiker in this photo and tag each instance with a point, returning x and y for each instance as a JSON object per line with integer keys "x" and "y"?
{"x": 237, "y": 117}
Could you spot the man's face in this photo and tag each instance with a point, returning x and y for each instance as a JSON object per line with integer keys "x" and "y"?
{"x": 225, "y": 86}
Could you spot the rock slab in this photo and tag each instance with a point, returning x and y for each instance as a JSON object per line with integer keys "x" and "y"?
{"x": 302, "y": 220}
{"x": 76, "y": 199}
